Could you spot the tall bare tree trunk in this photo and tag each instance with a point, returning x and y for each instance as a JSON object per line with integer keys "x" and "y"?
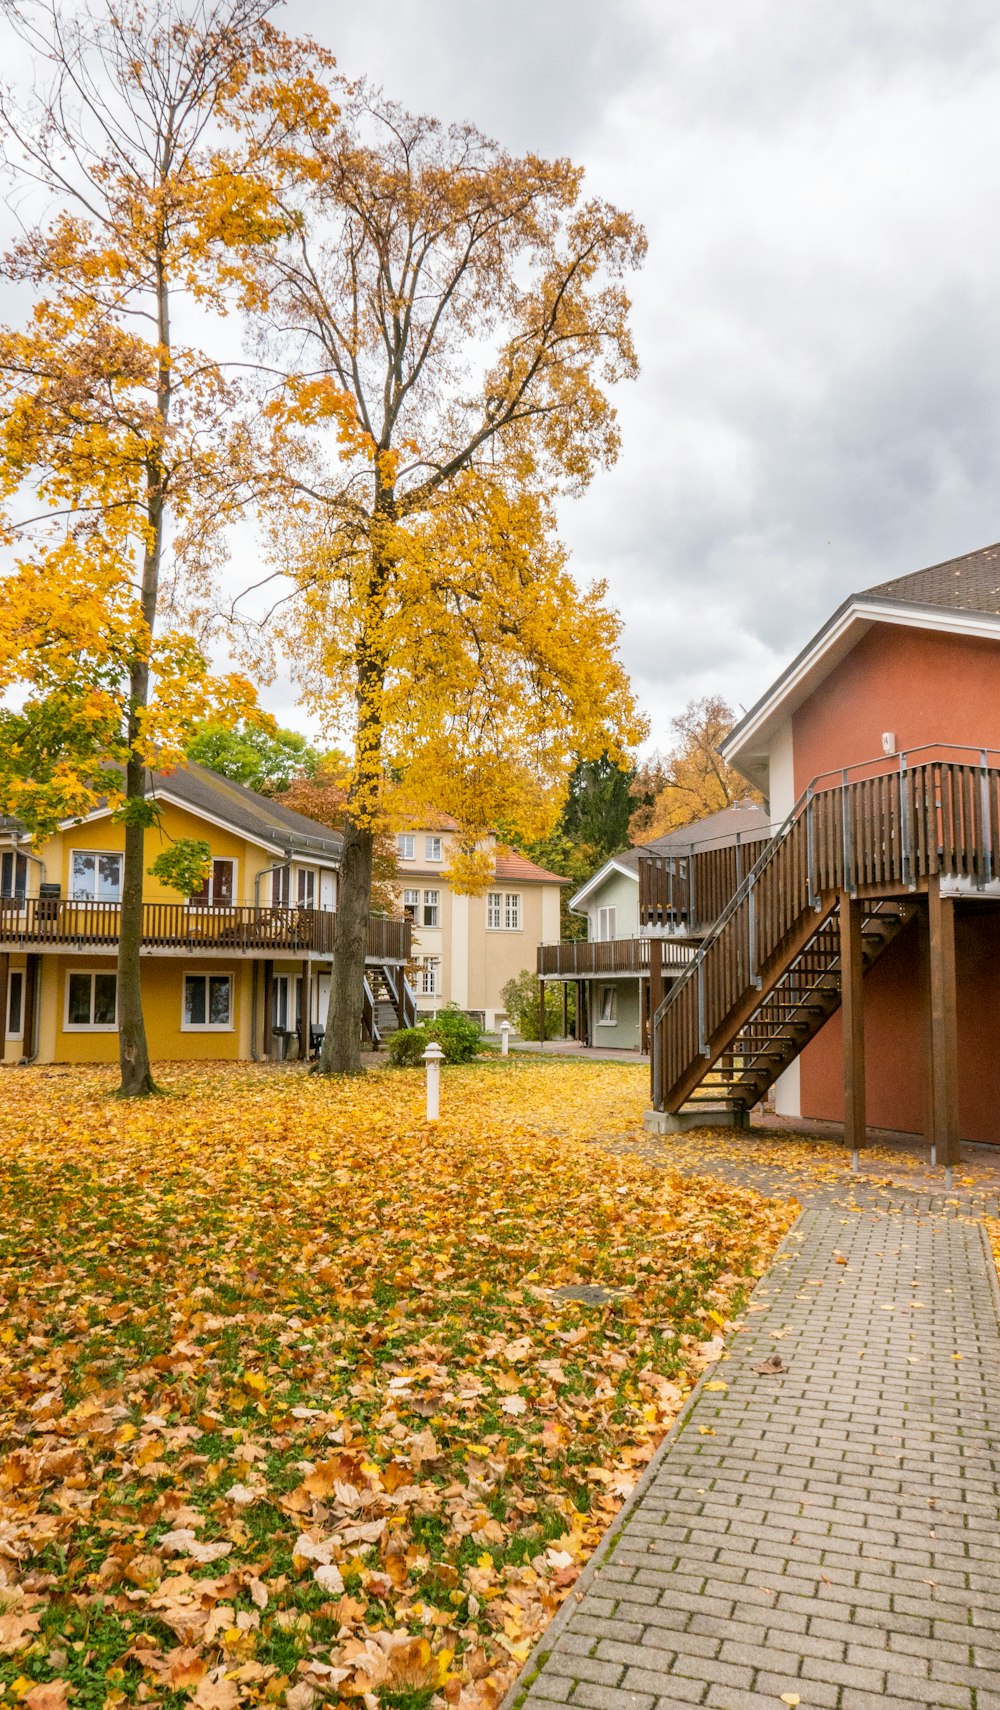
{"x": 133, "y": 1051}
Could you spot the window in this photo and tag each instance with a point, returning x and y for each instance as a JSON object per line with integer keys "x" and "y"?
{"x": 411, "y": 904}
{"x": 432, "y": 904}
{"x": 15, "y": 1004}
{"x": 208, "y": 1002}
{"x": 92, "y": 1002}
{"x": 606, "y": 920}
{"x": 503, "y": 911}
{"x": 307, "y": 888}
{"x": 95, "y": 877}
{"x": 432, "y": 848}
{"x": 279, "y": 887}
{"x": 429, "y": 970}
{"x": 405, "y": 845}
{"x": 13, "y": 874}
{"x": 608, "y": 1010}
{"x": 217, "y": 891}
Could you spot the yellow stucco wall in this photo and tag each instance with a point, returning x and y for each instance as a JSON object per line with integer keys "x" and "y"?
{"x": 162, "y": 1000}
{"x": 162, "y": 973}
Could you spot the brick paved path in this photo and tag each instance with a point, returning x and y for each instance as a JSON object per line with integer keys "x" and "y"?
{"x": 831, "y": 1533}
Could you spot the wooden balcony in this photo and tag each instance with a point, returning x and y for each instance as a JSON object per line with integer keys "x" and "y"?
{"x": 686, "y": 891}
{"x": 581, "y": 961}
{"x": 48, "y": 923}
{"x": 925, "y": 825}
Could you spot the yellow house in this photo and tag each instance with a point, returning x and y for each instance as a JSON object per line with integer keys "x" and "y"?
{"x": 240, "y": 970}
{"x": 467, "y": 947}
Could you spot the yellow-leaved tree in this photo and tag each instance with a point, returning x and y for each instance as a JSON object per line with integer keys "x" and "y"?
{"x": 692, "y": 780}
{"x": 151, "y": 137}
{"x": 457, "y": 318}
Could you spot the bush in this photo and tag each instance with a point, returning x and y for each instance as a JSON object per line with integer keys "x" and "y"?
{"x": 520, "y": 1000}
{"x": 407, "y": 1047}
{"x": 456, "y": 1033}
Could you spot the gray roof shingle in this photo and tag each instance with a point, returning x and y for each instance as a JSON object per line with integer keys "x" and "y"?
{"x": 967, "y": 584}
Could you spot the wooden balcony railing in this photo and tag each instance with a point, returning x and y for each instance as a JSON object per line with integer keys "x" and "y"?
{"x": 603, "y": 956}
{"x": 870, "y": 831}
{"x": 687, "y": 891}
{"x": 37, "y": 922}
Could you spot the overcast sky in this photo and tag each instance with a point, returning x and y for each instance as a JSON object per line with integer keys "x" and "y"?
{"x": 818, "y": 320}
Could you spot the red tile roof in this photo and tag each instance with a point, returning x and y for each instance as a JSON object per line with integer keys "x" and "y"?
{"x": 513, "y": 865}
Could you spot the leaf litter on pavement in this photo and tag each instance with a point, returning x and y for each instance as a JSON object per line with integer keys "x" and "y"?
{"x": 290, "y": 1409}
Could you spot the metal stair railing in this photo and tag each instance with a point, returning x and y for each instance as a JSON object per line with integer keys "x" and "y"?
{"x": 894, "y": 826}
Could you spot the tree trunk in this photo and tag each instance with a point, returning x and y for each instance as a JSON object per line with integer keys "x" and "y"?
{"x": 341, "y": 1053}
{"x": 133, "y": 1052}
{"x": 137, "y": 1081}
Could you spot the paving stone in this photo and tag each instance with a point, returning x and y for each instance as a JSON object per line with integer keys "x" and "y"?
{"x": 837, "y": 1536}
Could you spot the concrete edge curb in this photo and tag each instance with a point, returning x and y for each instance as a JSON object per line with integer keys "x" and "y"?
{"x": 533, "y": 1663}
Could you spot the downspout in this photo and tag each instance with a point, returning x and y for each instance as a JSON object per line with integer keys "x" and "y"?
{"x": 255, "y": 1055}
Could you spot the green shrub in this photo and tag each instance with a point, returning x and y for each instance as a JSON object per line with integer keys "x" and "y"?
{"x": 520, "y": 1000}
{"x": 407, "y": 1047}
{"x": 456, "y": 1033}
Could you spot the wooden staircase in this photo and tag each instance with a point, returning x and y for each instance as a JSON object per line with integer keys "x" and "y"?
{"x": 389, "y": 1003}
{"x": 788, "y": 1016}
{"x": 768, "y": 975}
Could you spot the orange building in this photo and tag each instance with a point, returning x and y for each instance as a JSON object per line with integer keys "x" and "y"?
{"x": 857, "y": 969}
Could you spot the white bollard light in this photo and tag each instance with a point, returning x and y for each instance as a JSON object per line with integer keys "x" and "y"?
{"x": 504, "y": 1038}
{"x": 433, "y": 1057}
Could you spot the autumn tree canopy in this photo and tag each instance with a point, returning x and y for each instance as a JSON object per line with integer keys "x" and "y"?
{"x": 691, "y": 780}
{"x": 150, "y": 140}
{"x": 456, "y": 317}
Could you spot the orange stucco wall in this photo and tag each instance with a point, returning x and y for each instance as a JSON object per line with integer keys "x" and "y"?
{"x": 921, "y": 685}
{"x": 926, "y": 688}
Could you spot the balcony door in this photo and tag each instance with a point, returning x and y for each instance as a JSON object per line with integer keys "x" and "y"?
{"x": 327, "y": 892}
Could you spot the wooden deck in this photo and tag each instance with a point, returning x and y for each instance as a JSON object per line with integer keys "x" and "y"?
{"x": 923, "y": 828}
{"x": 180, "y": 928}
{"x": 687, "y": 890}
{"x": 580, "y": 961}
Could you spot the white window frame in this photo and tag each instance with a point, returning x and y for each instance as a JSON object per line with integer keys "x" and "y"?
{"x": 607, "y": 923}
{"x": 96, "y": 855}
{"x": 282, "y": 984}
{"x": 411, "y": 904}
{"x": 433, "y": 850}
{"x": 211, "y": 903}
{"x": 428, "y": 904}
{"x": 608, "y": 998}
{"x": 504, "y": 911}
{"x": 206, "y": 975}
{"x": 430, "y": 970}
{"x": 18, "y": 1031}
{"x": 305, "y": 888}
{"x": 18, "y": 863}
{"x": 281, "y": 886}
{"x": 406, "y": 845}
{"x": 88, "y": 1026}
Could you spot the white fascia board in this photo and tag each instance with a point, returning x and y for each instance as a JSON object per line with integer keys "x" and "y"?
{"x": 602, "y": 873}
{"x": 832, "y": 643}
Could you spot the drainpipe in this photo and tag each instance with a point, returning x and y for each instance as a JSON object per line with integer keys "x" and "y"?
{"x": 279, "y": 867}
{"x": 255, "y": 1055}
{"x": 29, "y": 857}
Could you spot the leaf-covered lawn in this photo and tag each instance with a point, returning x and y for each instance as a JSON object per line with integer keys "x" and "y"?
{"x": 289, "y": 1410}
